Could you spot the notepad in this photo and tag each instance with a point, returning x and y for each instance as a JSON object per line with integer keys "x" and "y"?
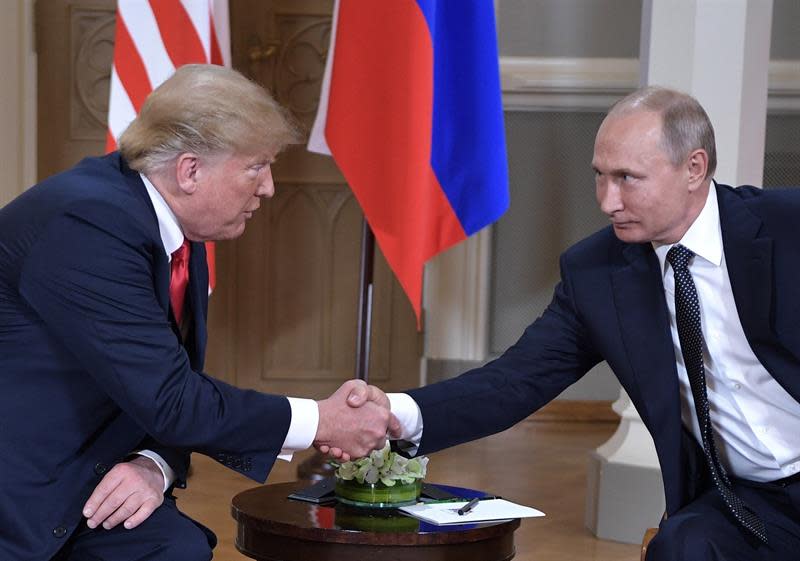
{"x": 485, "y": 511}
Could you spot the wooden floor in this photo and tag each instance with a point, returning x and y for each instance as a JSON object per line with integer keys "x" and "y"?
{"x": 535, "y": 463}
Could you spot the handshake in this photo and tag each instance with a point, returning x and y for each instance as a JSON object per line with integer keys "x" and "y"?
{"x": 355, "y": 420}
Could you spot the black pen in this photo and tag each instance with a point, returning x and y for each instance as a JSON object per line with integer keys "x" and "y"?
{"x": 467, "y": 507}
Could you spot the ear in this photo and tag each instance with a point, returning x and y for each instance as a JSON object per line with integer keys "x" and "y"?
{"x": 186, "y": 170}
{"x": 697, "y": 166}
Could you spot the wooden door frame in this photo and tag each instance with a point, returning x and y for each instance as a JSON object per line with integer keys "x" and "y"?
{"x": 18, "y": 113}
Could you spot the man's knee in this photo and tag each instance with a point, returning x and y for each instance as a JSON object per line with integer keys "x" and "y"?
{"x": 181, "y": 538}
{"x": 683, "y": 538}
{"x": 191, "y": 544}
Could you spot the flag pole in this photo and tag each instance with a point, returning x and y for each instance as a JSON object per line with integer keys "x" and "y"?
{"x": 317, "y": 466}
{"x": 365, "y": 292}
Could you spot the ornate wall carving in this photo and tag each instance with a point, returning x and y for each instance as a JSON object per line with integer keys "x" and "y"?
{"x": 91, "y": 55}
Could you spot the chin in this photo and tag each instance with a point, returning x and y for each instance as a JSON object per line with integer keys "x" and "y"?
{"x": 235, "y": 232}
{"x": 630, "y": 235}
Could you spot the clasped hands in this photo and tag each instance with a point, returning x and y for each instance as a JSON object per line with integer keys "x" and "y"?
{"x": 355, "y": 420}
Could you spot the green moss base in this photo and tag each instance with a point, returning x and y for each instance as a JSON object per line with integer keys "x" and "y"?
{"x": 377, "y": 495}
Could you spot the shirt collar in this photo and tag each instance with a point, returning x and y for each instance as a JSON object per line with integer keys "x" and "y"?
{"x": 703, "y": 238}
{"x": 168, "y": 226}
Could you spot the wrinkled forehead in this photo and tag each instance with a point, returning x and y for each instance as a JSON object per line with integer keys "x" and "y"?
{"x": 628, "y": 136}
{"x": 632, "y": 128}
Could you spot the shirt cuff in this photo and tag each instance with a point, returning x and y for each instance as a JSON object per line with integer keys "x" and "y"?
{"x": 166, "y": 471}
{"x": 302, "y": 428}
{"x": 407, "y": 412}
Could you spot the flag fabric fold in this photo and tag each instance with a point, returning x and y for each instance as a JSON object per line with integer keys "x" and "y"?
{"x": 152, "y": 39}
{"x": 411, "y": 112}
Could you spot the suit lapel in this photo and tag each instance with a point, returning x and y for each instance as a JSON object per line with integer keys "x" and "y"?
{"x": 644, "y": 324}
{"x": 198, "y": 303}
{"x": 749, "y": 260}
{"x": 161, "y": 270}
{"x": 195, "y": 342}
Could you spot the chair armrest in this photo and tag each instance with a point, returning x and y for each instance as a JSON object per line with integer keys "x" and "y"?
{"x": 649, "y": 534}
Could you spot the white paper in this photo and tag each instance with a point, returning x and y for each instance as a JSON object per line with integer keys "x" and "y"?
{"x": 484, "y": 511}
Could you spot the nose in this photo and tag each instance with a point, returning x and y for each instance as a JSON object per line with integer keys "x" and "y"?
{"x": 608, "y": 196}
{"x": 266, "y": 186}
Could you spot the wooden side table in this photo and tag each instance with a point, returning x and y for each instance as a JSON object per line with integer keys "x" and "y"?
{"x": 271, "y": 527}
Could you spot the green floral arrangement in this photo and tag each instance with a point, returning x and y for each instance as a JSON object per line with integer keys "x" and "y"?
{"x": 385, "y": 466}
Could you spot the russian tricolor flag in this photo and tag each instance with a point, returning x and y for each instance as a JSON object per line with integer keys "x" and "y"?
{"x": 411, "y": 112}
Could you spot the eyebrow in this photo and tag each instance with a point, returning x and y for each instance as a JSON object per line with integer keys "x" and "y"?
{"x": 617, "y": 171}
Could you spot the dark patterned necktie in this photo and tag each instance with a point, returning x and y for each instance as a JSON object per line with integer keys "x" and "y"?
{"x": 690, "y": 334}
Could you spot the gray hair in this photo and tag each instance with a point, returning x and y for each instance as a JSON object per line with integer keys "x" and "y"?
{"x": 205, "y": 109}
{"x": 685, "y": 126}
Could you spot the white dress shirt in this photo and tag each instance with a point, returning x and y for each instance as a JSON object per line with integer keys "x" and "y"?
{"x": 755, "y": 420}
{"x": 305, "y": 413}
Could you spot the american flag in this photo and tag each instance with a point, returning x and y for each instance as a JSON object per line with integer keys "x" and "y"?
{"x": 153, "y": 38}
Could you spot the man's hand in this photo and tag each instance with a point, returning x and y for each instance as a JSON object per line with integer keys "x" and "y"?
{"x": 129, "y": 493}
{"x": 354, "y": 421}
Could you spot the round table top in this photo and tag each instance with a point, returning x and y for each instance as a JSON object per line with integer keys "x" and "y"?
{"x": 267, "y": 510}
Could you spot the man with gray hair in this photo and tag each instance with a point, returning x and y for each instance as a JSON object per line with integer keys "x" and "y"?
{"x": 691, "y": 296}
{"x": 103, "y": 301}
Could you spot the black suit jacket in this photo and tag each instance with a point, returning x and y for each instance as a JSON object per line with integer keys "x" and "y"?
{"x": 610, "y": 305}
{"x": 90, "y": 366}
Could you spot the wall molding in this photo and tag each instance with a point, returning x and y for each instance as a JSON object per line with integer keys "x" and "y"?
{"x": 593, "y": 84}
{"x": 784, "y": 86}
{"x": 588, "y": 84}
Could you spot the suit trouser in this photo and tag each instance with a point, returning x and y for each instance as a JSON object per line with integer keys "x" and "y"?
{"x": 704, "y": 530}
{"x": 167, "y": 535}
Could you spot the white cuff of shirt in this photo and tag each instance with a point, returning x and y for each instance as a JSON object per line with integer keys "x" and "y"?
{"x": 166, "y": 471}
{"x": 302, "y": 428}
{"x": 407, "y": 412}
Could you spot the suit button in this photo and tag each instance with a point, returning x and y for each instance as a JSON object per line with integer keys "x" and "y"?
{"x": 59, "y": 532}
{"x": 100, "y": 468}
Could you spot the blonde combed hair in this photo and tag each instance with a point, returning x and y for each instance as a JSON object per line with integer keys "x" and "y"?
{"x": 205, "y": 109}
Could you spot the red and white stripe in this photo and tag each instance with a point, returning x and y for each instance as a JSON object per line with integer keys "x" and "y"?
{"x": 153, "y": 38}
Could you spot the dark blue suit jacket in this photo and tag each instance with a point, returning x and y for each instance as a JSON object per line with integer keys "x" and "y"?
{"x": 90, "y": 365}
{"x": 610, "y": 305}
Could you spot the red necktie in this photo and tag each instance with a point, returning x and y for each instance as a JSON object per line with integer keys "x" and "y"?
{"x": 178, "y": 279}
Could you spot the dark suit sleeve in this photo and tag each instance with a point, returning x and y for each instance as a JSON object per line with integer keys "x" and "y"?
{"x": 89, "y": 278}
{"x": 553, "y": 352}
{"x": 178, "y": 459}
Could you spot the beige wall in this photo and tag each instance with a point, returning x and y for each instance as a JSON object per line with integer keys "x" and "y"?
{"x": 17, "y": 99}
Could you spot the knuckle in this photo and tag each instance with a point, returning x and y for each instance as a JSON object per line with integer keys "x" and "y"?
{"x": 114, "y": 502}
{"x": 147, "y": 508}
{"x": 123, "y": 469}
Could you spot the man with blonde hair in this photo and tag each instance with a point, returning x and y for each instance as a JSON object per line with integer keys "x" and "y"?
{"x": 103, "y": 301}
